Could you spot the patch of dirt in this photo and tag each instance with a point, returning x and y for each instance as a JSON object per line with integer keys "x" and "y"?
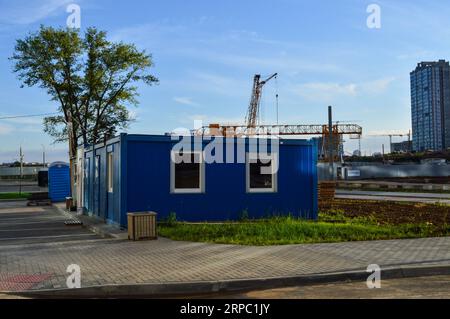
{"x": 395, "y": 213}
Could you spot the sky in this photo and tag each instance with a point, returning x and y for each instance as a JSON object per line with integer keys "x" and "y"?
{"x": 206, "y": 53}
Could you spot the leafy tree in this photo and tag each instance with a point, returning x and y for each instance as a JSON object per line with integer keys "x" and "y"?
{"x": 92, "y": 80}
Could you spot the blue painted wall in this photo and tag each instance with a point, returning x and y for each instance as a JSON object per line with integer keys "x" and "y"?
{"x": 225, "y": 197}
{"x": 98, "y": 202}
{"x": 142, "y": 183}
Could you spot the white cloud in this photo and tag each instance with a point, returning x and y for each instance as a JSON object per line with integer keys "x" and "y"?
{"x": 271, "y": 63}
{"x": 150, "y": 34}
{"x": 417, "y": 55}
{"x": 220, "y": 119}
{"x": 188, "y": 120}
{"x": 21, "y": 124}
{"x": 5, "y": 129}
{"x": 28, "y": 12}
{"x": 327, "y": 91}
{"x": 185, "y": 101}
{"x": 201, "y": 45}
{"x": 26, "y": 120}
{"x": 377, "y": 86}
{"x": 30, "y": 129}
{"x": 280, "y": 63}
{"x": 134, "y": 114}
{"x": 214, "y": 83}
{"x": 324, "y": 91}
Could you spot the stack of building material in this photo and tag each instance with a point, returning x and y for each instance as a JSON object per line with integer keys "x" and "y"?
{"x": 327, "y": 191}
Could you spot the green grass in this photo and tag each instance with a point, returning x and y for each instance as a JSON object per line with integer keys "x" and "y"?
{"x": 14, "y": 196}
{"x": 287, "y": 230}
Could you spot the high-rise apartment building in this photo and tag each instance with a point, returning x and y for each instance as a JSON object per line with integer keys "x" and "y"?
{"x": 430, "y": 106}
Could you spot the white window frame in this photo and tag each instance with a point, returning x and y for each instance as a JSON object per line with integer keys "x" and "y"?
{"x": 255, "y": 156}
{"x": 110, "y": 166}
{"x": 199, "y": 190}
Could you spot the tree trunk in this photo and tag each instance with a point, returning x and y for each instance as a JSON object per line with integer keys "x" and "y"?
{"x": 72, "y": 155}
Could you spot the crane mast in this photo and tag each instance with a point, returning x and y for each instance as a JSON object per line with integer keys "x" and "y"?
{"x": 255, "y": 101}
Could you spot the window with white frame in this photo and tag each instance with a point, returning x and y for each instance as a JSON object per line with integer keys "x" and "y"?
{"x": 110, "y": 172}
{"x": 187, "y": 172}
{"x": 261, "y": 171}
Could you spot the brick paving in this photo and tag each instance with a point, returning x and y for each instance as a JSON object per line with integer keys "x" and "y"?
{"x": 112, "y": 261}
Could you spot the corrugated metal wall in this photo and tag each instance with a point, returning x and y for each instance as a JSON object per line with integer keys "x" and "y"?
{"x": 142, "y": 183}
{"x": 384, "y": 171}
{"x": 59, "y": 181}
{"x": 98, "y": 201}
{"x": 225, "y": 197}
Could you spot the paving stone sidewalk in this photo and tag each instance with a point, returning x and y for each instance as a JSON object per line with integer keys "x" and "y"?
{"x": 112, "y": 261}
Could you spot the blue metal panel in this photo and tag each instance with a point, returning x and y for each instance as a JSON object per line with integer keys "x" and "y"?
{"x": 142, "y": 183}
{"x": 147, "y": 184}
{"x": 123, "y": 179}
{"x": 101, "y": 204}
{"x": 113, "y": 198}
{"x": 96, "y": 184}
{"x": 59, "y": 181}
{"x": 87, "y": 184}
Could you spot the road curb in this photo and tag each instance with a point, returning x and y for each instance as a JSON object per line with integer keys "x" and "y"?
{"x": 186, "y": 289}
{"x": 13, "y": 200}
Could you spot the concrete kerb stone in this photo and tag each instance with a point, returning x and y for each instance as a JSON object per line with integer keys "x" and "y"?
{"x": 13, "y": 200}
{"x": 231, "y": 286}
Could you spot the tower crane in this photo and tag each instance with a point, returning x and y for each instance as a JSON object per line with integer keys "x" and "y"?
{"x": 394, "y": 135}
{"x": 255, "y": 101}
{"x": 331, "y": 133}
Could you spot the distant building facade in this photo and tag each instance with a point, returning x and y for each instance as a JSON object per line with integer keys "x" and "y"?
{"x": 357, "y": 153}
{"x": 430, "y": 106}
{"x": 402, "y": 147}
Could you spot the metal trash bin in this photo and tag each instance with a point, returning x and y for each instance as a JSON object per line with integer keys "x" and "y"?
{"x": 43, "y": 178}
{"x": 142, "y": 226}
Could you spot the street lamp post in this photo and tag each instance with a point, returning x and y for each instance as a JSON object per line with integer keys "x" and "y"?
{"x": 21, "y": 170}
{"x": 43, "y": 156}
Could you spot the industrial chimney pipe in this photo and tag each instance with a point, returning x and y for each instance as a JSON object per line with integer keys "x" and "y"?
{"x": 330, "y": 142}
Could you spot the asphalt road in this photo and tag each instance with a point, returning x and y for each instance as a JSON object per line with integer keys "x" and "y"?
{"x": 394, "y": 196}
{"x": 433, "y": 287}
{"x": 437, "y": 287}
{"x": 21, "y": 225}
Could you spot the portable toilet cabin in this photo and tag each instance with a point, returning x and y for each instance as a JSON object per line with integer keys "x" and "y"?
{"x": 59, "y": 181}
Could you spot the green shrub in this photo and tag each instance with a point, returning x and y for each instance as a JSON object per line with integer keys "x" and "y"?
{"x": 171, "y": 220}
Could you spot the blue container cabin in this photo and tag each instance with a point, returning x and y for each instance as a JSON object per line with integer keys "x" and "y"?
{"x": 136, "y": 173}
{"x": 58, "y": 181}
